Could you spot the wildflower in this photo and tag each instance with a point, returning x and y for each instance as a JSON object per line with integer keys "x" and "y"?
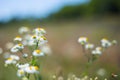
{"x": 89, "y": 46}
{"x": 46, "y": 49}
{"x": 20, "y": 73}
{"x": 18, "y": 38}
{"x": 22, "y": 66}
{"x": 25, "y": 55}
{"x": 23, "y": 30}
{"x": 114, "y": 42}
{"x": 98, "y": 50}
{"x": 32, "y": 69}
{"x": 9, "y": 45}
{"x": 1, "y": 50}
{"x": 82, "y": 40}
{"x": 101, "y": 72}
{"x": 105, "y": 43}
{"x": 43, "y": 40}
{"x": 17, "y": 48}
{"x": 39, "y": 31}
{"x": 12, "y": 59}
{"x": 38, "y": 53}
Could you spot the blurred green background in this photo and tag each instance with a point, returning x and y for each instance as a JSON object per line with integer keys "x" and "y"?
{"x": 95, "y": 19}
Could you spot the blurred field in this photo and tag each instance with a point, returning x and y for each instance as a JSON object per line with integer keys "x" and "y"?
{"x": 67, "y": 55}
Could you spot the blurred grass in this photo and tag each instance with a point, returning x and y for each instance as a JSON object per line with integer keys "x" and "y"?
{"x": 67, "y": 55}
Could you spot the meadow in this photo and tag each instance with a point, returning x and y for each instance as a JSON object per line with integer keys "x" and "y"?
{"x": 67, "y": 57}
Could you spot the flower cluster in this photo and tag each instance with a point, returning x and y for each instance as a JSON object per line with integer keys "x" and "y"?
{"x": 95, "y": 50}
{"x": 24, "y": 61}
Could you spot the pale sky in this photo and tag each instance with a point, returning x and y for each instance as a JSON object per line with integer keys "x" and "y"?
{"x": 34, "y": 8}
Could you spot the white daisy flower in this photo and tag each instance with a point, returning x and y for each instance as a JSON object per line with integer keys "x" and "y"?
{"x": 18, "y": 38}
{"x": 32, "y": 69}
{"x": 89, "y": 46}
{"x": 22, "y": 66}
{"x": 43, "y": 40}
{"x": 82, "y": 40}
{"x": 98, "y": 50}
{"x": 17, "y": 47}
{"x": 20, "y": 73}
{"x": 38, "y": 53}
{"x": 23, "y": 30}
{"x": 12, "y": 59}
{"x": 39, "y": 31}
{"x": 105, "y": 43}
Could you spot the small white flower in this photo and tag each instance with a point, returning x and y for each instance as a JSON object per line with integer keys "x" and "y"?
{"x": 89, "y": 46}
{"x": 32, "y": 69}
{"x": 46, "y": 49}
{"x": 1, "y": 50}
{"x": 42, "y": 40}
{"x": 18, "y": 38}
{"x": 105, "y": 43}
{"x": 9, "y": 45}
{"x": 38, "y": 53}
{"x": 22, "y": 66}
{"x": 25, "y": 55}
{"x": 114, "y": 42}
{"x": 39, "y": 31}
{"x": 12, "y": 59}
{"x": 23, "y": 30}
{"x": 17, "y": 47}
{"x": 98, "y": 50}
{"x": 20, "y": 73}
{"x": 101, "y": 72}
{"x": 82, "y": 40}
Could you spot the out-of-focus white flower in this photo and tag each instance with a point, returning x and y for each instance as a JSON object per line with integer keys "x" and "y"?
{"x": 1, "y": 50}
{"x": 20, "y": 73}
{"x": 17, "y": 47}
{"x": 82, "y": 40}
{"x": 46, "y": 49}
{"x": 15, "y": 57}
{"x": 98, "y": 50}
{"x": 23, "y": 30}
{"x": 114, "y": 42}
{"x": 89, "y": 46}
{"x": 39, "y": 31}
{"x": 32, "y": 69}
{"x": 43, "y": 40}
{"x": 18, "y": 38}
{"x": 101, "y": 72}
{"x": 60, "y": 78}
{"x": 12, "y": 59}
{"x": 25, "y": 55}
{"x": 6, "y": 55}
{"x": 22, "y": 66}
{"x": 38, "y": 53}
{"x": 105, "y": 43}
{"x": 9, "y": 45}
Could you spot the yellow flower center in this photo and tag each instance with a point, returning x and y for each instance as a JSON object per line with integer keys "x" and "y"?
{"x": 36, "y": 67}
{"x": 34, "y": 37}
{"x": 38, "y": 51}
{"x": 20, "y": 44}
{"x": 10, "y": 59}
{"x": 43, "y": 37}
{"x": 18, "y": 37}
{"x": 21, "y": 72}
